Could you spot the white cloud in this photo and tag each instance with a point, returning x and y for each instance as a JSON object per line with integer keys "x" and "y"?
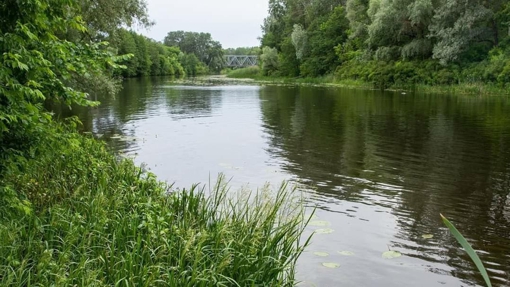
{"x": 235, "y": 23}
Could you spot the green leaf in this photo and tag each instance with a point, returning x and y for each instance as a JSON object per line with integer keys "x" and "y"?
{"x": 427, "y": 236}
{"x": 331, "y": 265}
{"x": 319, "y": 223}
{"x": 346, "y": 253}
{"x": 470, "y": 251}
{"x": 324, "y": 231}
{"x": 391, "y": 254}
{"x": 321, "y": 254}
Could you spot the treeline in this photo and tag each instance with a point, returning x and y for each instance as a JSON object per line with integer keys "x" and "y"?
{"x": 182, "y": 53}
{"x": 202, "y": 53}
{"x": 389, "y": 42}
{"x": 149, "y": 58}
{"x": 251, "y": 51}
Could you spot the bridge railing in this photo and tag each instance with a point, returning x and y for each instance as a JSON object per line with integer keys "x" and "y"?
{"x": 237, "y": 61}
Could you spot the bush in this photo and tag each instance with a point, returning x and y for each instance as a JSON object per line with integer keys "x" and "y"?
{"x": 248, "y": 72}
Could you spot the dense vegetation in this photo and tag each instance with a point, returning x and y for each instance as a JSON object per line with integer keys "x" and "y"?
{"x": 150, "y": 58}
{"x": 389, "y": 43}
{"x": 253, "y": 51}
{"x": 73, "y": 214}
{"x": 203, "y": 54}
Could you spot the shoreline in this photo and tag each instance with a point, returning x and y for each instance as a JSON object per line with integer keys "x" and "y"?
{"x": 468, "y": 89}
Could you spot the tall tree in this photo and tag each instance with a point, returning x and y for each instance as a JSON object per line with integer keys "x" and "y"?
{"x": 201, "y": 45}
{"x": 458, "y": 24}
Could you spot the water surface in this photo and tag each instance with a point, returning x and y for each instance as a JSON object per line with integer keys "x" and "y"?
{"x": 381, "y": 167}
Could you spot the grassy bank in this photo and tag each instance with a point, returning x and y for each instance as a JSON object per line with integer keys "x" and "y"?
{"x": 73, "y": 214}
{"x": 390, "y": 81}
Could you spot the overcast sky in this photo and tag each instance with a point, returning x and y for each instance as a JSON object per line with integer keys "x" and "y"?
{"x": 235, "y": 23}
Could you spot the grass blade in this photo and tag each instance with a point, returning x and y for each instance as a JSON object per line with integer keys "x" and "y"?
{"x": 470, "y": 251}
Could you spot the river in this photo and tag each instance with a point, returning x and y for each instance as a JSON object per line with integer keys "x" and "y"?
{"x": 379, "y": 166}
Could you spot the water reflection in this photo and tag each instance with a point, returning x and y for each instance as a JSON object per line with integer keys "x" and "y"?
{"x": 416, "y": 155}
{"x": 383, "y": 166}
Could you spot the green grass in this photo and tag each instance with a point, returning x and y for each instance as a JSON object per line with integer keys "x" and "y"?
{"x": 243, "y": 73}
{"x": 79, "y": 216}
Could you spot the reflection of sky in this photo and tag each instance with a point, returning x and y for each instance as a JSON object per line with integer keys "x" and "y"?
{"x": 193, "y": 146}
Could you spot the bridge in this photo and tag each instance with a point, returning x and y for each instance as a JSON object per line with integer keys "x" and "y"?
{"x": 239, "y": 61}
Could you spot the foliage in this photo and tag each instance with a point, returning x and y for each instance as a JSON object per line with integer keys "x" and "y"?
{"x": 150, "y": 57}
{"x": 201, "y": 45}
{"x": 96, "y": 220}
{"x": 269, "y": 61}
{"x": 469, "y": 250}
{"x": 324, "y": 37}
{"x": 104, "y": 20}
{"x": 105, "y": 17}
{"x": 37, "y": 64}
{"x": 314, "y": 38}
{"x": 299, "y": 40}
{"x": 192, "y": 65}
{"x": 248, "y": 72}
{"x": 250, "y": 51}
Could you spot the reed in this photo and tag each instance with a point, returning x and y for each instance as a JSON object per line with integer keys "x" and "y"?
{"x": 95, "y": 220}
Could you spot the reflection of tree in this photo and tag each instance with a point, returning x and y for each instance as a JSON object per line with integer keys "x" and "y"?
{"x": 419, "y": 155}
{"x": 191, "y": 102}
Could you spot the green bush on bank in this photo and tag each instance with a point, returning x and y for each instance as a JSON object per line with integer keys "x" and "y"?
{"x": 409, "y": 74}
{"x": 248, "y": 72}
{"x": 88, "y": 218}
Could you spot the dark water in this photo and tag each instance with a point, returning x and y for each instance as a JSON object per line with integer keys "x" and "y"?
{"x": 382, "y": 167}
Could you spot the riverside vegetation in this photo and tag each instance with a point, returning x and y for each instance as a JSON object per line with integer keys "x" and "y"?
{"x": 72, "y": 213}
{"x": 453, "y": 45}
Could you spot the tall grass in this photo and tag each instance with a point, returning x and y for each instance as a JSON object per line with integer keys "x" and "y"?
{"x": 98, "y": 221}
{"x": 469, "y": 250}
{"x": 247, "y": 72}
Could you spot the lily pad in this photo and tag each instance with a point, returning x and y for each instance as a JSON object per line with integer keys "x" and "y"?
{"x": 324, "y": 231}
{"x": 346, "y": 253}
{"x": 391, "y": 254}
{"x": 331, "y": 265}
{"x": 427, "y": 236}
{"x": 319, "y": 223}
{"x": 321, "y": 254}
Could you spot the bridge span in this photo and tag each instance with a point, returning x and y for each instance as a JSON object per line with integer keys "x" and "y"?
{"x": 239, "y": 61}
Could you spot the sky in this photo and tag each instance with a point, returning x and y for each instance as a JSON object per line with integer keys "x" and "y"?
{"x": 234, "y": 23}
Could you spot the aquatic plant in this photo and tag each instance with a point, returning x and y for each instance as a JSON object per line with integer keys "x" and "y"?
{"x": 469, "y": 250}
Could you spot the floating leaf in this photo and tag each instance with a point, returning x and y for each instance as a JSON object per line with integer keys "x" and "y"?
{"x": 319, "y": 223}
{"x": 346, "y": 253}
{"x": 324, "y": 231}
{"x": 321, "y": 254}
{"x": 427, "y": 236}
{"x": 311, "y": 216}
{"x": 331, "y": 265}
{"x": 470, "y": 251}
{"x": 391, "y": 254}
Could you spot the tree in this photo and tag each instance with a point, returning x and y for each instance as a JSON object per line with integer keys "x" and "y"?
{"x": 299, "y": 40}
{"x": 324, "y": 36}
{"x": 105, "y": 17}
{"x": 269, "y": 60}
{"x": 356, "y": 13}
{"x": 201, "y": 45}
{"x": 458, "y": 24}
{"x": 243, "y": 51}
{"x": 399, "y": 28}
{"x": 37, "y": 62}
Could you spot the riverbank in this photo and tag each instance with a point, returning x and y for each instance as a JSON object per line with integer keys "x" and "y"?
{"x": 474, "y": 88}
{"x": 75, "y": 214}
